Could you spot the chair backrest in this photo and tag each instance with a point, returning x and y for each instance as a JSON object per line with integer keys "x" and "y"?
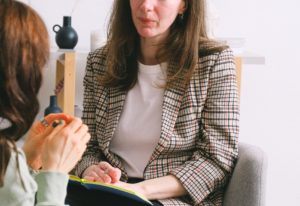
{"x": 247, "y": 184}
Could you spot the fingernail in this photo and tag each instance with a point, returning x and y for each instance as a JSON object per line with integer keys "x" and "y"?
{"x": 56, "y": 123}
{"x": 44, "y": 123}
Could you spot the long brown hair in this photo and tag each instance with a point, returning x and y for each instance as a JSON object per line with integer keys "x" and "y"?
{"x": 24, "y": 51}
{"x": 187, "y": 41}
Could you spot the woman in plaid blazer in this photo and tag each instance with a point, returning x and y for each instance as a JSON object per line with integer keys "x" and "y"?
{"x": 193, "y": 155}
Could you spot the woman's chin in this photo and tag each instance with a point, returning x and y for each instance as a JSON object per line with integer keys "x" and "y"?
{"x": 147, "y": 33}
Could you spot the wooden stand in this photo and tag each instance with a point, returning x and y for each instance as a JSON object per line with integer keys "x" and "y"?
{"x": 65, "y": 80}
{"x": 238, "y": 65}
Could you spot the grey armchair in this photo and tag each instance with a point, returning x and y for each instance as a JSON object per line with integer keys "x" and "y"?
{"x": 247, "y": 184}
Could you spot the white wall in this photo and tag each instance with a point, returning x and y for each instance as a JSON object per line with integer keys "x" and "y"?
{"x": 86, "y": 15}
{"x": 270, "y": 98}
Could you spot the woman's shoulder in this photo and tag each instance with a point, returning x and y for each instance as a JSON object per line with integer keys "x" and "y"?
{"x": 97, "y": 60}
{"x": 209, "y": 47}
{"x": 214, "y": 55}
{"x": 211, "y": 50}
{"x": 99, "y": 54}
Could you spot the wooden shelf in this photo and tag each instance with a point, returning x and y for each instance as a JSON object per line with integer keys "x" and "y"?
{"x": 65, "y": 81}
{"x": 251, "y": 58}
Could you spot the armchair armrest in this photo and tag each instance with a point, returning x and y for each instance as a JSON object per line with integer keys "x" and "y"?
{"x": 247, "y": 184}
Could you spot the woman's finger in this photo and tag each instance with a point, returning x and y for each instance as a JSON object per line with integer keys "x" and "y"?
{"x": 113, "y": 172}
{"x": 93, "y": 170}
{"x": 94, "y": 174}
{"x": 106, "y": 179}
{"x": 115, "y": 175}
{"x": 58, "y": 116}
{"x": 54, "y": 130}
{"x": 42, "y": 125}
{"x": 74, "y": 125}
{"x": 82, "y": 131}
{"x": 86, "y": 138}
{"x": 105, "y": 166}
{"x": 90, "y": 178}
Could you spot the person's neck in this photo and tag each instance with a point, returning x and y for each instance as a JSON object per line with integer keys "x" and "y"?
{"x": 148, "y": 53}
{"x": 149, "y": 48}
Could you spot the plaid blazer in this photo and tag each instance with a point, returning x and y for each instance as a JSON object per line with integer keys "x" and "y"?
{"x": 200, "y": 125}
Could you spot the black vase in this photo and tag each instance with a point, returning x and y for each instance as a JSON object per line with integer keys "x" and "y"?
{"x": 66, "y": 37}
{"x": 53, "y": 107}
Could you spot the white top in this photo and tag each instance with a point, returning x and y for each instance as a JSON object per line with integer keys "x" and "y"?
{"x": 139, "y": 127}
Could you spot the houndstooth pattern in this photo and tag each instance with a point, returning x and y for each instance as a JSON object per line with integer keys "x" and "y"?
{"x": 199, "y": 132}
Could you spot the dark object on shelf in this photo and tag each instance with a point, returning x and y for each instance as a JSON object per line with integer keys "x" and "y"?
{"x": 53, "y": 107}
{"x": 66, "y": 37}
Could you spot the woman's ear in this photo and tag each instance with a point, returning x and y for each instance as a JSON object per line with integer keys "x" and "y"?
{"x": 183, "y": 6}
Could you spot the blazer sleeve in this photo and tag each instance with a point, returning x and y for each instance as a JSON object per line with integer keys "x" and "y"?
{"x": 92, "y": 154}
{"x": 216, "y": 146}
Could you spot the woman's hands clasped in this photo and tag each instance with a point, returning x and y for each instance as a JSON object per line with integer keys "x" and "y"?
{"x": 102, "y": 172}
{"x": 106, "y": 173}
{"x": 56, "y": 143}
{"x": 65, "y": 146}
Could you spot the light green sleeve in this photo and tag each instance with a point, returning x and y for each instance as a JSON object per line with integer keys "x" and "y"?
{"x": 52, "y": 188}
{"x": 21, "y": 185}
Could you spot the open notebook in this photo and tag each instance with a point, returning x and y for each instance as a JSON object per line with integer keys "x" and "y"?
{"x": 82, "y": 192}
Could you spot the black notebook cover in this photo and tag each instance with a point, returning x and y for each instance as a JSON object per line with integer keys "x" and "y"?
{"x": 82, "y": 192}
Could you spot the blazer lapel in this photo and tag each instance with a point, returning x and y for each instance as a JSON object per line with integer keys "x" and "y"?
{"x": 115, "y": 105}
{"x": 171, "y": 103}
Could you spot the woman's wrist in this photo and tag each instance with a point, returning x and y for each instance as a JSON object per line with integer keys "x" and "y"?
{"x": 143, "y": 189}
{"x": 161, "y": 188}
{"x": 54, "y": 167}
{"x": 31, "y": 162}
